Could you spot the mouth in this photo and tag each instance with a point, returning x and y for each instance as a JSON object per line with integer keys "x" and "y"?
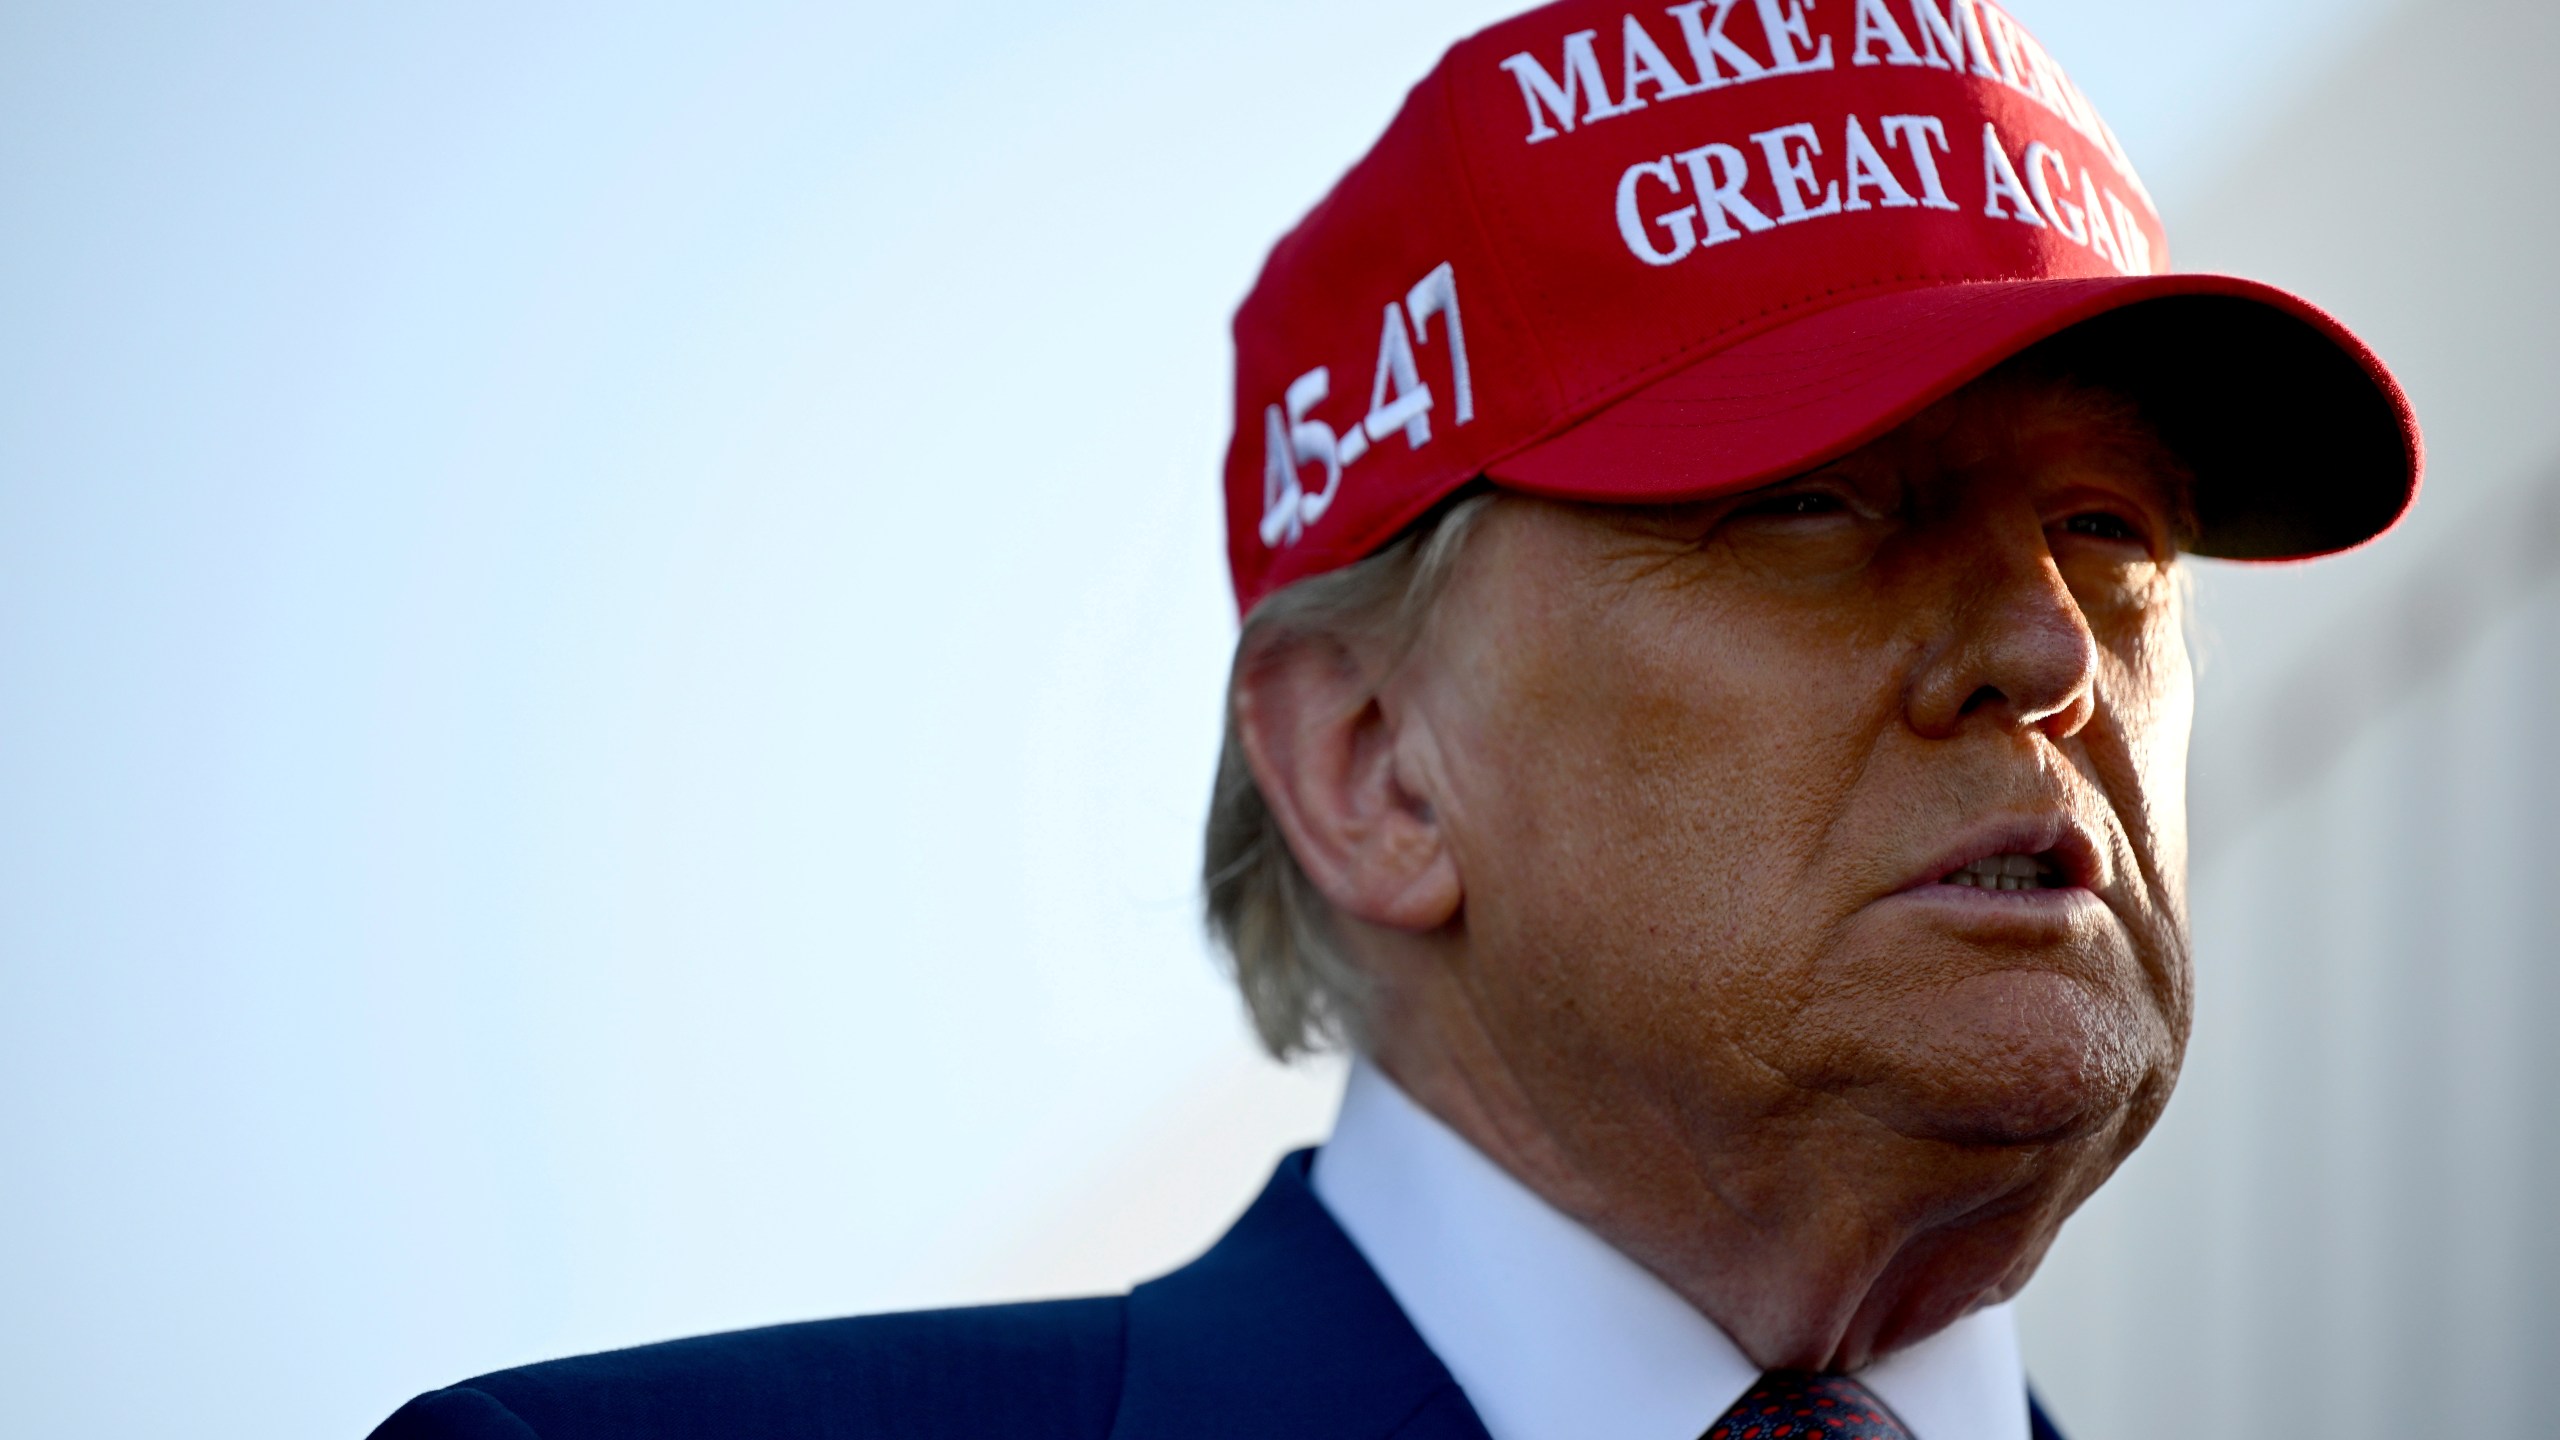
{"x": 2011, "y": 871}
{"x": 2017, "y": 856}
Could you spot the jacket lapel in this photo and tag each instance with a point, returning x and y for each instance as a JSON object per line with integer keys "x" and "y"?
{"x": 1282, "y": 1332}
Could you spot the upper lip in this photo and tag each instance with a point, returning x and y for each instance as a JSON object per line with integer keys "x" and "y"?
{"x": 2054, "y": 837}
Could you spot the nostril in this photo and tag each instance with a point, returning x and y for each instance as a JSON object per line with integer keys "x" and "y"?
{"x": 1982, "y": 699}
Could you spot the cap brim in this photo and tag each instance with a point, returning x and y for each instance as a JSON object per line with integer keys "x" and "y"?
{"x": 2301, "y": 442}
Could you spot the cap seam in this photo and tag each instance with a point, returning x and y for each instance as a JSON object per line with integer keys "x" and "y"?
{"x": 1469, "y": 197}
{"x": 1795, "y": 378}
{"x": 1677, "y": 358}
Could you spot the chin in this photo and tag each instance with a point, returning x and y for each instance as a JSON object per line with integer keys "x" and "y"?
{"x": 2012, "y": 1058}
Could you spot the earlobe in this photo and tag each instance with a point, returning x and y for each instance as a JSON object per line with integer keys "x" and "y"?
{"x": 1336, "y": 764}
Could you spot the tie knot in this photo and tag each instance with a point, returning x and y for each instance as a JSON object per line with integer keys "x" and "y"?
{"x": 1801, "y": 1405}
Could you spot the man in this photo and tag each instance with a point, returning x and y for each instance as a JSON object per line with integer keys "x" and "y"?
{"x": 1708, "y": 732}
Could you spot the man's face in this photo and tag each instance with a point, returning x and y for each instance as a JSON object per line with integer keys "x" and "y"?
{"x": 1840, "y": 819}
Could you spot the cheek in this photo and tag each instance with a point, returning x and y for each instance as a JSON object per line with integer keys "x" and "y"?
{"x": 1643, "y": 842}
{"x": 2152, "y": 687}
{"x": 2137, "y": 760}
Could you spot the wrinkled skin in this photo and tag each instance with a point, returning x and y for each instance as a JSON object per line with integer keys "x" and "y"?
{"x": 1642, "y": 841}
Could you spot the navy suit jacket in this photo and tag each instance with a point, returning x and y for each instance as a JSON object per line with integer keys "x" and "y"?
{"x": 1280, "y": 1332}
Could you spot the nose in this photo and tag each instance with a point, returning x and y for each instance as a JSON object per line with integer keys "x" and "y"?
{"x": 2016, "y": 653}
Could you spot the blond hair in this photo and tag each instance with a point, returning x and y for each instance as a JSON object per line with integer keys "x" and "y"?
{"x": 1302, "y": 992}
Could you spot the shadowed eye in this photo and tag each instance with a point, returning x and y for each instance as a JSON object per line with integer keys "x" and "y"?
{"x": 1804, "y": 533}
{"x": 2100, "y": 525}
{"x": 1799, "y": 502}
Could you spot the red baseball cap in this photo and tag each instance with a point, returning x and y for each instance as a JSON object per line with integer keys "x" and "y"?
{"x": 1670, "y": 252}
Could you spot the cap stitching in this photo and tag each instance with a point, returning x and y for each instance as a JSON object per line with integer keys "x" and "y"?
{"x": 1468, "y": 196}
{"x": 1812, "y": 365}
{"x": 1673, "y": 358}
{"x": 1583, "y": 406}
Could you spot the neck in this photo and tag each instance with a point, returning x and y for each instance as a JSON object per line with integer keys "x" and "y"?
{"x": 1811, "y": 1234}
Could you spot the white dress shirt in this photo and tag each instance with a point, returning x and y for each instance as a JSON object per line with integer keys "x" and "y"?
{"x": 1554, "y": 1335}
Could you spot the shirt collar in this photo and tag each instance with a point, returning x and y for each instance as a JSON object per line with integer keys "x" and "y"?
{"x": 1554, "y": 1335}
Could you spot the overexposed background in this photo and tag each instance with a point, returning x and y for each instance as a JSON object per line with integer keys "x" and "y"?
{"x": 611, "y": 621}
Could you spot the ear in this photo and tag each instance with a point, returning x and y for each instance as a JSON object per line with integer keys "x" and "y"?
{"x": 1337, "y": 764}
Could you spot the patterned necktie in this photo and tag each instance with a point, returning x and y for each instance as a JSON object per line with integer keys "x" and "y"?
{"x": 1800, "y": 1405}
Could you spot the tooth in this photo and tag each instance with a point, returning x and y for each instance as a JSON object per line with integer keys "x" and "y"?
{"x": 2018, "y": 865}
